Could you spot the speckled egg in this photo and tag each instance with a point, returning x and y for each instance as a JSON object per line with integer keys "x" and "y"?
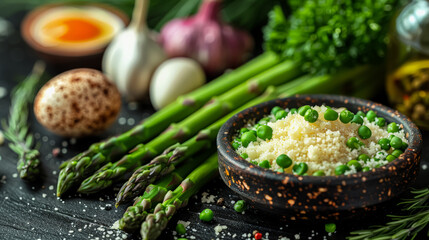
{"x": 77, "y": 103}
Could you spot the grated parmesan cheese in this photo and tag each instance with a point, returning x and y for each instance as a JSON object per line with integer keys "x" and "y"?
{"x": 322, "y": 144}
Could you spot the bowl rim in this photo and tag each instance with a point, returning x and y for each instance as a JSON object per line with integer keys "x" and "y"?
{"x": 414, "y": 146}
{"x": 27, "y": 22}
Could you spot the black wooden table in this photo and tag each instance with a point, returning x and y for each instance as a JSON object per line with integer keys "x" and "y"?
{"x": 32, "y": 211}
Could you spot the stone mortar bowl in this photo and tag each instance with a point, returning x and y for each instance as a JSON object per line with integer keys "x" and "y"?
{"x": 311, "y": 197}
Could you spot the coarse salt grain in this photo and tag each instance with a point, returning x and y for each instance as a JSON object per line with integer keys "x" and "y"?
{"x": 184, "y": 223}
{"x": 206, "y": 198}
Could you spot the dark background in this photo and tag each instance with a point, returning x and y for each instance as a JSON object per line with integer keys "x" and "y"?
{"x": 32, "y": 211}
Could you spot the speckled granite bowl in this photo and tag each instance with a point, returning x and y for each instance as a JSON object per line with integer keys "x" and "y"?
{"x": 311, "y": 197}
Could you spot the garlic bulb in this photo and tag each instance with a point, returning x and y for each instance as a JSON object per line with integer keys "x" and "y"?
{"x": 203, "y": 37}
{"x": 173, "y": 78}
{"x": 132, "y": 57}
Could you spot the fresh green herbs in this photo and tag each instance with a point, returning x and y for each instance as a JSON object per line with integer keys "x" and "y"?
{"x": 407, "y": 226}
{"x": 16, "y": 128}
{"x": 326, "y": 35}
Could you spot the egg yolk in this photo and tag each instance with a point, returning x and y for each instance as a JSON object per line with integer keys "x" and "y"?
{"x": 73, "y": 29}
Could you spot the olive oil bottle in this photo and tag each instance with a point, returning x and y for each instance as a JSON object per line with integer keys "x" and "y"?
{"x": 408, "y": 63}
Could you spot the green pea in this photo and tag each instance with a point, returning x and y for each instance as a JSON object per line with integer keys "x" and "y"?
{"x": 284, "y": 161}
{"x": 330, "y": 227}
{"x": 392, "y": 127}
{"x": 180, "y": 229}
{"x": 364, "y": 132}
{"x": 360, "y": 113}
{"x": 311, "y": 116}
{"x": 357, "y": 119}
{"x": 390, "y": 158}
{"x": 240, "y": 206}
{"x": 256, "y": 126}
{"x": 235, "y": 144}
{"x": 275, "y": 109}
{"x": 363, "y": 157}
{"x": 397, "y": 153}
{"x": 302, "y": 110}
{"x": 243, "y": 130}
{"x": 384, "y": 143}
{"x": 254, "y": 162}
{"x": 300, "y": 168}
{"x": 265, "y": 132}
{"x": 365, "y": 169}
{"x": 370, "y": 115}
{"x": 244, "y": 155}
{"x": 404, "y": 146}
{"x": 182, "y": 239}
{"x": 293, "y": 111}
{"x": 247, "y": 138}
{"x": 381, "y": 122}
{"x": 356, "y": 164}
{"x": 354, "y": 143}
{"x": 330, "y": 115}
{"x": 319, "y": 173}
{"x": 264, "y": 164}
{"x": 396, "y": 142}
{"x": 264, "y": 120}
{"x": 281, "y": 114}
{"x": 391, "y": 136}
{"x": 206, "y": 215}
{"x": 341, "y": 169}
{"x": 346, "y": 116}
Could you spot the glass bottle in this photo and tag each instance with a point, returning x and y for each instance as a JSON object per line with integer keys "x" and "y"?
{"x": 408, "y": 63}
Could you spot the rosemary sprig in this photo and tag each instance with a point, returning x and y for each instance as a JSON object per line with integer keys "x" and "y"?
{"x": 401, "y": 227}
{"x": 16, "y": 128}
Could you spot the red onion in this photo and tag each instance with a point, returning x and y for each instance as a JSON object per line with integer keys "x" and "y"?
{"x": 205, "y": 38}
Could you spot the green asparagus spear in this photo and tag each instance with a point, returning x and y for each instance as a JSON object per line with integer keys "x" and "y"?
{"x": 218, "y": 107}
{"x": 155, "y": 222}
{"x": 154, "y": 194}
{"x": 86, "y": 163}
{"x": 16, "y": 129}
{"x": 164, "y": 163}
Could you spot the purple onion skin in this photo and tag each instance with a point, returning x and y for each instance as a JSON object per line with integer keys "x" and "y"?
{"x": 205, "y": 38}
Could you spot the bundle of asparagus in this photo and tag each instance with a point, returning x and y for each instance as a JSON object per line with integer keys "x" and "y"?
{"x": 155, "y": 161}
{"x": 216, "y": 108}
{"x": 84, "y": 164}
